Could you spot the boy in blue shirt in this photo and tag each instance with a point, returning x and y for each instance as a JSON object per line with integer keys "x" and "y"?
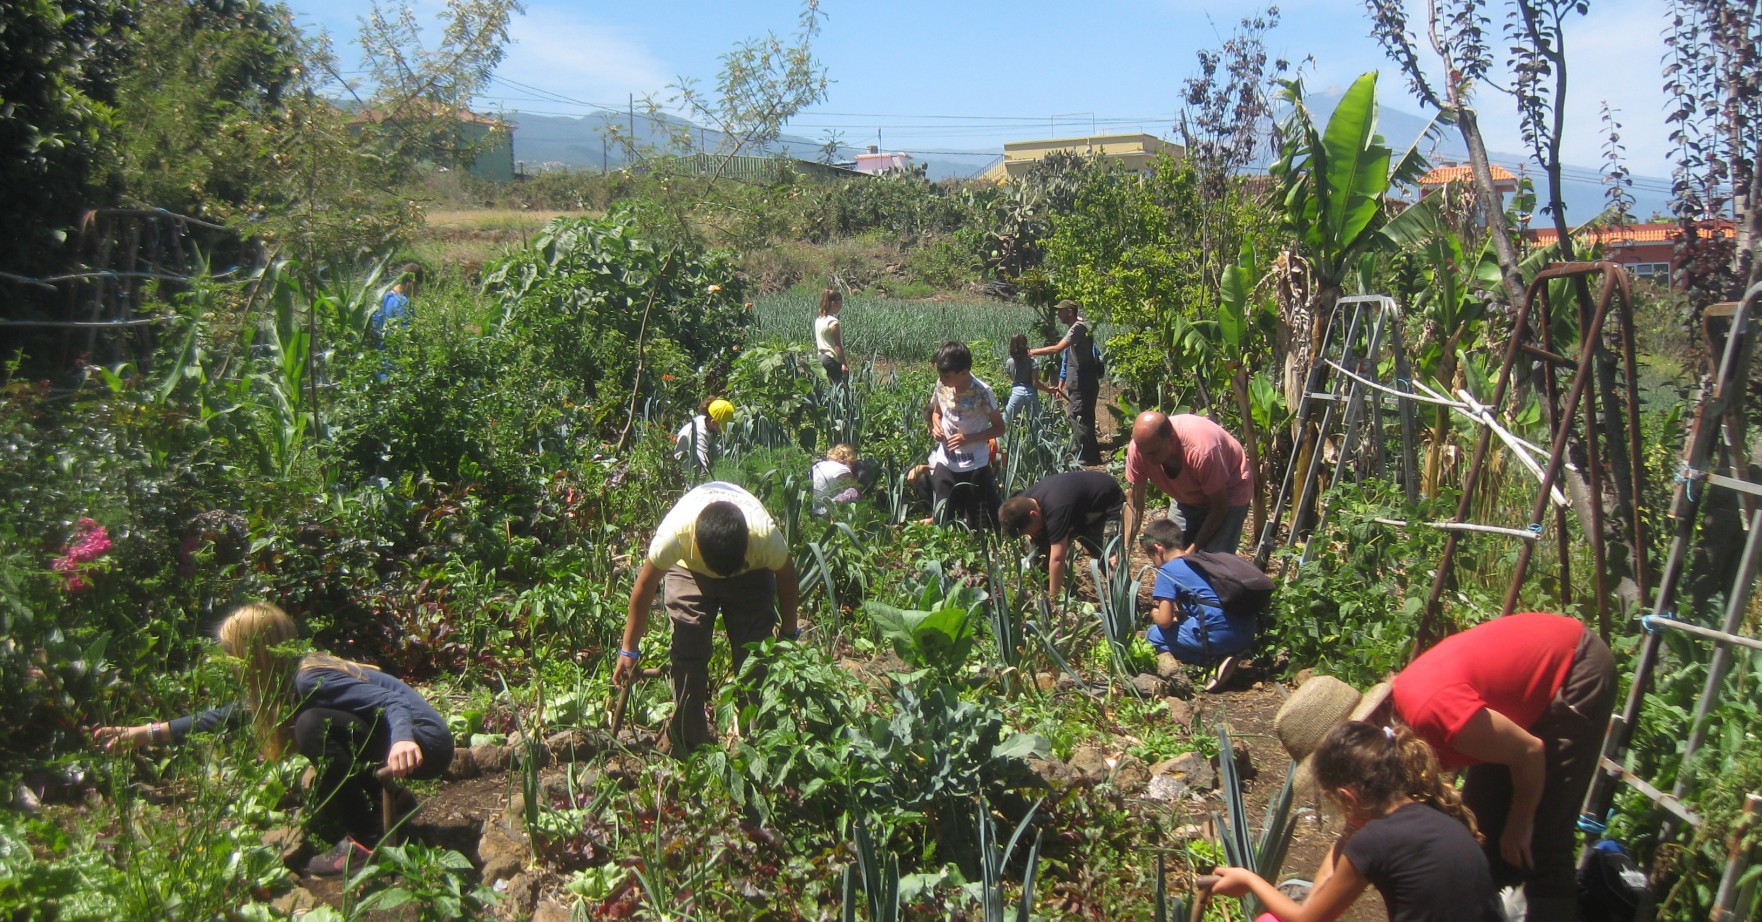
{"x": 1189, "y": 624}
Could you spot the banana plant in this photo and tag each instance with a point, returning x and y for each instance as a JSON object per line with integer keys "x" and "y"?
{"x": 1333, "y": 184}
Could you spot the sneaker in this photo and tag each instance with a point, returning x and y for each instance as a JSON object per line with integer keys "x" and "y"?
{"x": 1167, "y": 666}
{"x": 1221, "y": 677}
{"x": 343, "y": 857}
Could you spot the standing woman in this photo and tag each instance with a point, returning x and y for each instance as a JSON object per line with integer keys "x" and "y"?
{"x": 828, "y": 338}
{"x": 1024, "y": 380}
{"x": 346, "y": 717}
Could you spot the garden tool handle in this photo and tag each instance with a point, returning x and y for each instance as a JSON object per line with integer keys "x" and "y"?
{"x": 653, "y": 672}
{"x": 1201, "y": 895}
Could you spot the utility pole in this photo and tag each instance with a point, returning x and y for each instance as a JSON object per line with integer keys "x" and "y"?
{"x": 632, "y": 127}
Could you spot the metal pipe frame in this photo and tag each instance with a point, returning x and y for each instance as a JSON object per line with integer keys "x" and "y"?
{"x": 1718, "y": 394}
{"x": 1534, "y": 318}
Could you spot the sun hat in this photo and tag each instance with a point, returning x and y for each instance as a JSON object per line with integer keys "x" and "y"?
{"x": 1313, "y": 709}
{"x": 720, "y": 410}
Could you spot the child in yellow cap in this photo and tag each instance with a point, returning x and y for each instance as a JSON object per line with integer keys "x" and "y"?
{"x": 695, "y": 438}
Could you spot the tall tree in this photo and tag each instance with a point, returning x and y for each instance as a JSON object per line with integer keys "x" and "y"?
{"x": 1457, "y": 32}
{"x": 57, "y": 105}
{"x": 1713, "y": 73}
{"x": 1226, "y": 122}
{"x": 206, "y": 81}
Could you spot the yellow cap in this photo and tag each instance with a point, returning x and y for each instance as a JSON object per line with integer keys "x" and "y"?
{"x": 720, "y": 410}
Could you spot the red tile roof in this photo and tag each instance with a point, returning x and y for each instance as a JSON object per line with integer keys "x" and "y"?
{"x": 1627, "y": 234}
{"x": 1448, "y": 174}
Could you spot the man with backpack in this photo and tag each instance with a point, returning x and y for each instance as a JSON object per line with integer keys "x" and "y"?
{"x": 1083, "y": 371}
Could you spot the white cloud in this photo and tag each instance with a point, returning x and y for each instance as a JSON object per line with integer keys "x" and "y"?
{"x": 575, "y": 56}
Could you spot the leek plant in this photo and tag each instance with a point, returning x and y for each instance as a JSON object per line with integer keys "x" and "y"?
{"x": 1264, "y": 855}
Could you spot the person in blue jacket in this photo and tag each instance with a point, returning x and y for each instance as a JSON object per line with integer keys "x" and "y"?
{"x": 1188, "y": 623}
{"x": 348, "y": 718}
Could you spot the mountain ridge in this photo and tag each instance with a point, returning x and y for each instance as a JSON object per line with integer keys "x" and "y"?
{"x": 582, "y": 142}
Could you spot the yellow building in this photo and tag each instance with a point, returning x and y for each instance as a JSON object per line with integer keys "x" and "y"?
{"x": 1134, "y": 150}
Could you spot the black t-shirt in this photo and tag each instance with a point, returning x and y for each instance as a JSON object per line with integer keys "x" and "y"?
{"x": 1426, "y": 865}
{"x": 1073, "y": 501}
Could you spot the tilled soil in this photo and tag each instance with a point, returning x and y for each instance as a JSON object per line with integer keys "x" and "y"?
{"x": 453, "y": 815}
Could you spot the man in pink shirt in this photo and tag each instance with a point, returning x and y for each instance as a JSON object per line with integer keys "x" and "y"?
{"x": 1201, "y": 467}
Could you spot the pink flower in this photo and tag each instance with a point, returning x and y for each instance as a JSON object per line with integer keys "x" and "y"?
{"x": 90, "y": 542}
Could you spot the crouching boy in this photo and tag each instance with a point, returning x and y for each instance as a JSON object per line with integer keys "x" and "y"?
{"x": 1189, "y": 624}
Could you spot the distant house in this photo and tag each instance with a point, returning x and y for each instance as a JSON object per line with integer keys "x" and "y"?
{"x": 1440, "y": 176}
{"x": 875, "y": 162}
{"x": 1461, "y": 178}
{"x": 1644, "y": 250}
{"x": 481, "y": 145}
{"x": 1134, "y": 150}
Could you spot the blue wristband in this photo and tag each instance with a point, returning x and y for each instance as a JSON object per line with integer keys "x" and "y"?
{"x": 633, "y": 654}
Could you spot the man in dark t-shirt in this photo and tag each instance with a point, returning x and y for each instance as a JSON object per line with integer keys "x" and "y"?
{"x": 1082, "y": 378}
{"x": 1075, "y": 504}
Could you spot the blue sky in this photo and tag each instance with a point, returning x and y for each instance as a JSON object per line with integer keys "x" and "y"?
{"x": 972, "y": 74}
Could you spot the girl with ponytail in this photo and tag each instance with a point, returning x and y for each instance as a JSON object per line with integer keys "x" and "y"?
{"x": 1407, "y": 833}
{"x": 348, "y": 718}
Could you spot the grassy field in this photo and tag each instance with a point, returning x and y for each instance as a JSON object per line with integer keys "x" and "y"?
{"x": 899, "y": 330}
{"x": 473, "y": 236}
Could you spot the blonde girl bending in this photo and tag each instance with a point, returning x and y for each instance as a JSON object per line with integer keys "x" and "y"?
{"x": 1407, "y": 833}
{"x": 349, "y": 719}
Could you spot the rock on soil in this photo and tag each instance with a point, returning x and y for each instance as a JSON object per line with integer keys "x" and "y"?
{"x": 1187, "y": 772}
{"x": 291, "y": 842}
{"x": 295, "y": 901}
{"x": 1055, "y": 774}
{"x": 549, "y": 911}
{"x": 522, "y": 893}
{"x": 490, "y": 758}
{"x": 1130, "y": 774}
{"x": 463, "y": 767}
{"x": 1089, "y": 763}
{"x": 502, "y": 850}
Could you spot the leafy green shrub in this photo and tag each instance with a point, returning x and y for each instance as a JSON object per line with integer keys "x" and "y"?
{"x": 590, "y": 298}
{"x": 1352, "y": 610}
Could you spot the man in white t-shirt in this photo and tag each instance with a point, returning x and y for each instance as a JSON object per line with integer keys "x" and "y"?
{"x": 716, "y": 551}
